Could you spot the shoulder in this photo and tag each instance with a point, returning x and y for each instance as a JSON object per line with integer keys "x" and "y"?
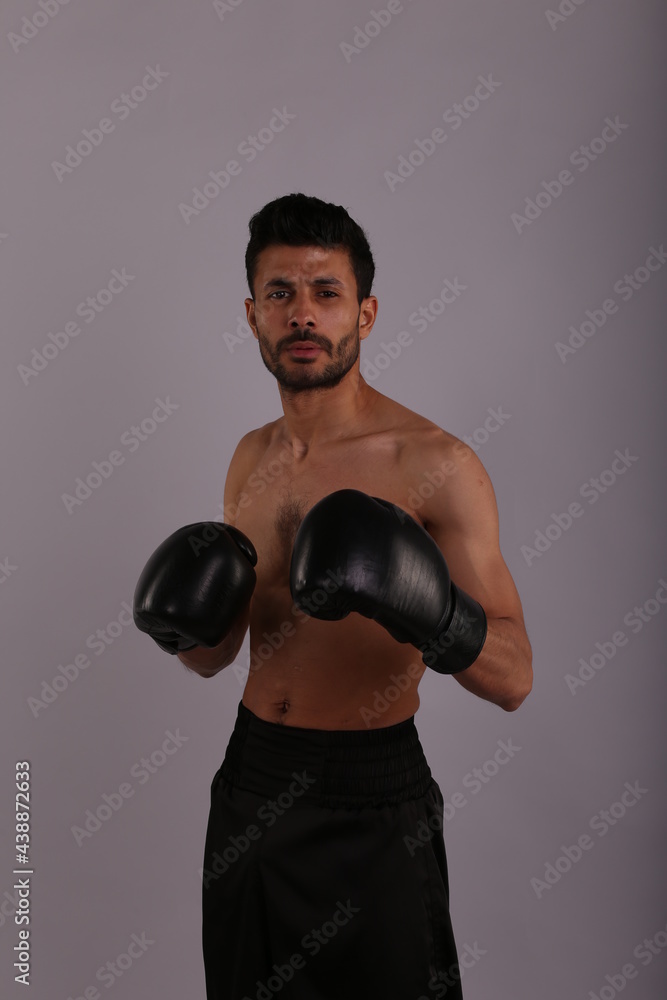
{"x": 424, "y": 445}
{"x": 247, "y": 454}
{"x": 254, "y": 443}
{"x": 452, "y": 486}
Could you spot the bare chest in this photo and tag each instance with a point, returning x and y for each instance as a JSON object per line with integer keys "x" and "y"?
{"x": 280, "y": 491}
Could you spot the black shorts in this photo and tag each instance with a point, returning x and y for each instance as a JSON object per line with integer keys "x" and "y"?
{"x": 325, "y": 874}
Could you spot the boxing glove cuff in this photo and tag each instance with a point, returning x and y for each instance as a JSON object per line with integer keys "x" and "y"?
{"x": 460, "y": 636}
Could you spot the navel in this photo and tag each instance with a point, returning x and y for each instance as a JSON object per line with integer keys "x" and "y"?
{"x": 282, "y": 708}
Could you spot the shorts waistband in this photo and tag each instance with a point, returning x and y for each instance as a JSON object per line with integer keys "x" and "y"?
{"x": 339, "y": 767}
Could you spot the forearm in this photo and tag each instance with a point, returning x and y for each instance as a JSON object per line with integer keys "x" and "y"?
{"x": 503, "y": 671}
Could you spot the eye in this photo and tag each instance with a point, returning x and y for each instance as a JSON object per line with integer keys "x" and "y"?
{"x": 282, "y": 291}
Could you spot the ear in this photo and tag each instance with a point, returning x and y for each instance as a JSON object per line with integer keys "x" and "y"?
{"x": 250, "y": 314}
{"x": 367, "y": 316}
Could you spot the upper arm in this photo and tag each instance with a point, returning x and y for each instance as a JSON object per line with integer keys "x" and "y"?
{"x": 462, "y": 518}
{"x": 240, "y": 467}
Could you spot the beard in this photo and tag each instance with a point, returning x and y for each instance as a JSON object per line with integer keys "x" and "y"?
{"x": 304, "y": 375}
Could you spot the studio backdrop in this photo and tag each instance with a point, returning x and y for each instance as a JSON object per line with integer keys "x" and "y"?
{"x": 507, "y": 161}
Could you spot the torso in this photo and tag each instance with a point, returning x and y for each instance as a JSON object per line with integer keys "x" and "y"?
{"x": 303, "y": 671}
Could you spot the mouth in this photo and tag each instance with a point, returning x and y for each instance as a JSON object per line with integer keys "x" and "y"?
{"x": 304, "y": 349}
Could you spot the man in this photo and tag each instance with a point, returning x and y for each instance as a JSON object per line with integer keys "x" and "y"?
{"x": 325, "y": 869}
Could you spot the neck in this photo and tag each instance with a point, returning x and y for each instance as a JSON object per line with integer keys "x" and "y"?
{"x": 318, "y": 417}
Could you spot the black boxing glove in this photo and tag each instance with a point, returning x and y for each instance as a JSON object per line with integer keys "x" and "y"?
{"x": 361, "y": 553}
{"x": 195, "y": 585}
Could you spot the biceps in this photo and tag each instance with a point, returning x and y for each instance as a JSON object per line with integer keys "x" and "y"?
{"x": 236, "y": 475}
{"x": 230, "y": 506}
{"x": 477, "y": 566}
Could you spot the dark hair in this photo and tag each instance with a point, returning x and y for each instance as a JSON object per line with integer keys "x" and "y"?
{"x": 299, "y": 220}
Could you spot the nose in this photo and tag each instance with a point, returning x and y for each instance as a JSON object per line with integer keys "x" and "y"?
{"x": 302, "y": 313}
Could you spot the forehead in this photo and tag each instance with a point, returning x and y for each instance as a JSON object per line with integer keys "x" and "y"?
{"x": 303, "y": 262}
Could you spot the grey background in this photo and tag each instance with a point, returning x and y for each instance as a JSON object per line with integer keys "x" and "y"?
{"x": 67, "y": 575}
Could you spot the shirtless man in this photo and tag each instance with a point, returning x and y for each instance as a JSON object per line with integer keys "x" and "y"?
{"x": 309, "y": 698}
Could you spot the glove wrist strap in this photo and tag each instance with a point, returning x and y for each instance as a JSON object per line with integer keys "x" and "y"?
{"x": 460, "y": 636}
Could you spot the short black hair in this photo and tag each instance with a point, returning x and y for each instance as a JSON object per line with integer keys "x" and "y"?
{"x": 299, "y": 220}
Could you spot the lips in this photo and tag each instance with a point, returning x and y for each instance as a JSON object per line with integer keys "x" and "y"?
{"x": 304, "y": 348}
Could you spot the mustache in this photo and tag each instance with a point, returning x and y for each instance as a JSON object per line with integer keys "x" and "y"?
{"x": 305, "y": 335}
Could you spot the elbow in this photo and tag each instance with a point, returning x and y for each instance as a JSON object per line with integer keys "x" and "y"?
{"x": 511, "y": 704}
{"x": 516, "y": 697}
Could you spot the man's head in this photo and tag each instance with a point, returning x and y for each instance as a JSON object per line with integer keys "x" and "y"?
{"x": 310, "y": 271}
{"x": 299, "y": 220}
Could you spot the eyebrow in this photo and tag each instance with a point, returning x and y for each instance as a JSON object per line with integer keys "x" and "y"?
{"x": 286, "y": 283}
